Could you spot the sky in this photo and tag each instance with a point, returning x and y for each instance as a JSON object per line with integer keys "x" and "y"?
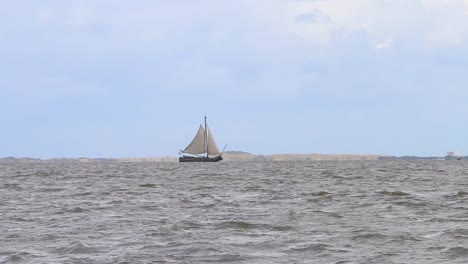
{"x": 115, "y": 78}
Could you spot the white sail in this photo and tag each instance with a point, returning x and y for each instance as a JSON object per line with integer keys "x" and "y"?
{"x": 212, "y": 148}
{"x": 197, "y": 146}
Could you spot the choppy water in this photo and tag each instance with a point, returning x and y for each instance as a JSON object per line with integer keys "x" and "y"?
{"x": 268, "y": 212}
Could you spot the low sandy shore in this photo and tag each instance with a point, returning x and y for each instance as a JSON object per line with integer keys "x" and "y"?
{"x": 228, "y": 156}
{"x": 243, "y": 156}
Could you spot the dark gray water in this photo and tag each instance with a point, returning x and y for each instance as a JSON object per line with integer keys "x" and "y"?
{"x": 270, "y": 212}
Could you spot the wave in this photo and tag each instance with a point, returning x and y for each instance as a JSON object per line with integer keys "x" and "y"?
{"x": 457, "y": 233}
{"x": 78, "y": 248}
{"x": 20, "y": 219}
{"x": 71, "y": 210}
{"x": 237, "y": 225}
{"x": 56, "y": 189}
{"x": 318, "y": 196}
{"x": 366, "y": 236}
{"x": 320, "y": 193}
{"x": 461, "y": 194}
{"x": 456, "y": 252}
{"x": 16, "y": 257}
{"x": 413, "y": 204}
{"x": 432, "y": 235}
{"x": 394, "y": 193}
{"x": 148, "y": 185}
{"x": 14, "y": 186}
{"x": 315, "y": 248}
{"x": 330, "y": 214}
{"x": 82, "y": 194}
{"x": 241, "y": 225}
{"x": 47, "y": 173}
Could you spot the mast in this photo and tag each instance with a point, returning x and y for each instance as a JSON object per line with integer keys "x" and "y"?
{"x": 206, "y": 139}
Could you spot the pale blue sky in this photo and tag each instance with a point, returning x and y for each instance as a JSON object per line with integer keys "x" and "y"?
{"x": 116, "y": 78}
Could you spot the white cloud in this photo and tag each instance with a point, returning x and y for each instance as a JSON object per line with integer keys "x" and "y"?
{"x": 429, "y": 22}
{"x": 256, "y": 46}
{"x": 386, "y": 44}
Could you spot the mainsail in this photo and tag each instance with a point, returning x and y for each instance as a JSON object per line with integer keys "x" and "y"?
{"x": 212, "y": 148}
{"x": 197, "y": 146}
{"x": 202, "y": 143}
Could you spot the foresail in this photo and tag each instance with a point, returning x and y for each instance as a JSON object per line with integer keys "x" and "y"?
{"x": 197, "y": 146}
{"x": 212, "y": 148}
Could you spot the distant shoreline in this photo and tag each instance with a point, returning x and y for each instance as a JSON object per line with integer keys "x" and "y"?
{"x": 236, "y": 156}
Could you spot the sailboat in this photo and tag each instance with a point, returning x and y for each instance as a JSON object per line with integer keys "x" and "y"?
{"x": 202, "y": 148}
{"x": 453, "y": 156}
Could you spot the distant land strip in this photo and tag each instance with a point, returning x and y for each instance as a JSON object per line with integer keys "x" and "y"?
{"x": 234, "y": 156}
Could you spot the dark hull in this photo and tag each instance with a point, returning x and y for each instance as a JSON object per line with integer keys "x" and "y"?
{"x": 454, "y": 158}
{"x": 199, "y": 159}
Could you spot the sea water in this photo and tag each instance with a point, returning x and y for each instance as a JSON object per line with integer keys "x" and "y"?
{"x": 234, "y": 212}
